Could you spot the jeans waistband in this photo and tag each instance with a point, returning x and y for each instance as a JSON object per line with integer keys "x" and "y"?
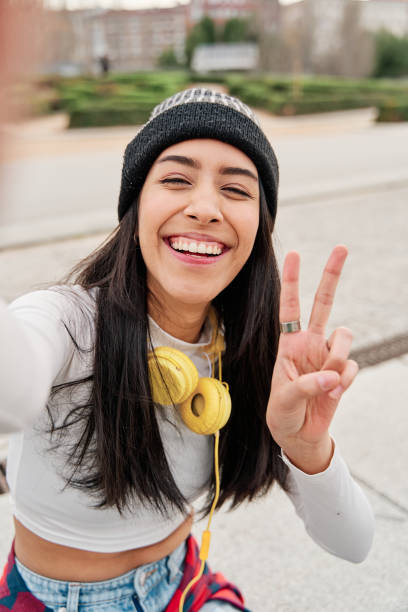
{"x": 138, "y": 581}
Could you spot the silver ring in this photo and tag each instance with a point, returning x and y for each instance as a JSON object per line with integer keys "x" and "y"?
{"x": 290, "y": 327}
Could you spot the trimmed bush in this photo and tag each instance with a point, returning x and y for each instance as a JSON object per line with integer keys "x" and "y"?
{"x": 284, "y": 96}
{"x": 109, "y": 115}
{"x": 393, "y": 110}
{"x": 118, "y": 99}
{"x": 213, "y": 77}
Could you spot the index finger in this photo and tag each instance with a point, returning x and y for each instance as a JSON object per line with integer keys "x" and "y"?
{"x": 325, "y": 293}
{"x": 289, "y": 309}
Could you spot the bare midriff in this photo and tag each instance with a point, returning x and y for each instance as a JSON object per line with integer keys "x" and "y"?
{"x": 75, "y": 565}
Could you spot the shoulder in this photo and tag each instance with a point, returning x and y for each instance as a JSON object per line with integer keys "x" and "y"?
{"x": 60, "y": 308}
{"x": 59, "y": 301}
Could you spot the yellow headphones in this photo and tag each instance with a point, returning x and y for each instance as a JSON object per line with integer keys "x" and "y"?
{"x": 205, "y": 406}
{"x": 205, "y": 403}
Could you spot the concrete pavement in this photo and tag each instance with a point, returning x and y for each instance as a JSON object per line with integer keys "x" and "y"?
{"x": 263, "y": 546}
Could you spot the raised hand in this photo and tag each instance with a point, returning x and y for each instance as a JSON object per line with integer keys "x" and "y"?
{"x": 311, "y": 373}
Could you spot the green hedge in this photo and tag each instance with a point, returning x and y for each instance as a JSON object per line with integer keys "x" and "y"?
{"x": 284, "y": 96}
{"x": 213, "y": 77}
{"x": 317, "y": 85}
{"x": 393, "y": 110}
{"x": 292, "y": 106}
{"x": 107, "y": 116}
{"x": 119, "y": 99}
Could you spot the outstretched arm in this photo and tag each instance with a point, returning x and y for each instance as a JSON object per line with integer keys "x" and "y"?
{"x": 34, "y": 345}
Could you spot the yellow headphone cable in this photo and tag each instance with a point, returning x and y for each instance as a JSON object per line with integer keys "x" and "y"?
{"x": 205, "y": 406}
{"x": 206, "y": 536}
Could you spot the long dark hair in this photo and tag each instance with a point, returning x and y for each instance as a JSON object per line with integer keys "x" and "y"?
{"x": 118, "y": 454}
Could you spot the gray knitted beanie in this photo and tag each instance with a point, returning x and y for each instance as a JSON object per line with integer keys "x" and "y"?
{"x": 198, "y": 113}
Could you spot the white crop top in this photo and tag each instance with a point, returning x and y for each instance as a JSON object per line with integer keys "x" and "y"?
{"x": 37, "y": 353}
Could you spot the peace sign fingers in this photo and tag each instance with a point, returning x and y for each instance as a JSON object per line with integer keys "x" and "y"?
{"x": 310, "y": 374}
{"x": 327, "y": 288}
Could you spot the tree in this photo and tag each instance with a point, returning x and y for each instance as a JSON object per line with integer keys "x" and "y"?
{"x": 238, "y": 30}
{"x": 203, "y": 32}
{"x": 168, "y": 59}
{"x": 391, "y": 55}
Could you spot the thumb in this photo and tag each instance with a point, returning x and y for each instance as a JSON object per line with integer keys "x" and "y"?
{"x": 317, "y": 383}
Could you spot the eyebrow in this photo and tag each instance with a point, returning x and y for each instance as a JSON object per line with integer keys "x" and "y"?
{"x": 192, "y": 163}
{"x": 243, "y": 171}
{"x": 181, "y": 159}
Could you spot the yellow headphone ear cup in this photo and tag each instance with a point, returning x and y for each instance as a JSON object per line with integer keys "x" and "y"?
{"x": 172, "y": 375}
{"x": 208, "y": 408}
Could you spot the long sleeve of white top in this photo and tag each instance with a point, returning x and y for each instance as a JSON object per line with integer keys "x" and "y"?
{"x": 333, "y": 508}
{"x": 34, "y": 345}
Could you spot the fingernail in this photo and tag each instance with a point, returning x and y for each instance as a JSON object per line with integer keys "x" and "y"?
{"x": 326, "y": 381}
{"x": 336, "y": 393}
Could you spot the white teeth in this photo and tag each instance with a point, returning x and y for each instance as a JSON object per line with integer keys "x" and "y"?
{"x": 194, "y": 247}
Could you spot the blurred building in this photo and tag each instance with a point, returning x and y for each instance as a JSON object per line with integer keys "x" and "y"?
{"x": 333, "y": 36}
{"x": 134, "y": 40}
{"x": 128, "y": 40}
{"x": 324, "y": 17}
{"x": 312, "y": 36}
{"x": 373, "y": 15}
{"x": 264, "y": 13}
{"x": 221, "y": 10}
{"x": 122, "y": 40}
{"x": 391, "y": 15}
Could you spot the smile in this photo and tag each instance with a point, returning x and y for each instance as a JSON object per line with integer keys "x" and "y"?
{"x": 185, "y": 245}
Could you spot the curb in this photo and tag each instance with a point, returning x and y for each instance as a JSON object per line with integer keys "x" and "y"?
{"x": 378, "y": 352}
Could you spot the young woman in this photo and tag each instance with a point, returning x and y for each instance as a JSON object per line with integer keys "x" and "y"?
{"x": 104, "y": 466}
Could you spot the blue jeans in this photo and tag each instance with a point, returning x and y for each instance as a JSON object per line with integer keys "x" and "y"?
{"x": 149, "y": 588}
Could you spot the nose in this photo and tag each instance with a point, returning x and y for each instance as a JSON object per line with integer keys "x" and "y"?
{"x": 204, "y": 206}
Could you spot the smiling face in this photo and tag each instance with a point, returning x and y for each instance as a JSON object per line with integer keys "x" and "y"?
{"x": 198, "y": 218}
